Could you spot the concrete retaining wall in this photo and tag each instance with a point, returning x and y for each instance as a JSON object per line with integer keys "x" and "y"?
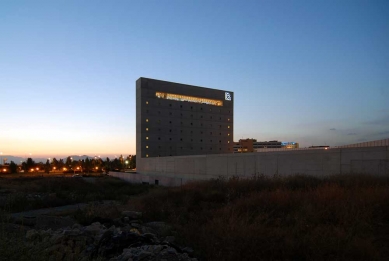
{"x": 173, "y": 171}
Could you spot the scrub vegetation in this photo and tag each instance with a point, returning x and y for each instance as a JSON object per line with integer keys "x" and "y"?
{"x": 344, "y": 217}
{"x": 23, "y": 194}
{"x": 292, "y": 218}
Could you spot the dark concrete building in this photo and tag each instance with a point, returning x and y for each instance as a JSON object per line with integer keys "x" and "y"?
{"x": 175, "y": 119}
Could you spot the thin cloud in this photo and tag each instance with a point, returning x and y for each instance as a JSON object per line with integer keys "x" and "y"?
{"x": 380, "y": 121}
{"x": 332, "y": 129}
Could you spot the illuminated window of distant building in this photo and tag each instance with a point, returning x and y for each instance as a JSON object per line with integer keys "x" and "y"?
{"x": 228, "y": 142}
{"x": 228, "y": 119}
{"x": 147, "y": 102}
{"x": 147, "y": 155}
{"x": 147, "y": 120}
{"x": 147, "y": 129}
{"x": 147, "y": 146}
{"x": 228, "y": 126}
{"x": 147, "y": 138}
{"x": 228, "y": 134}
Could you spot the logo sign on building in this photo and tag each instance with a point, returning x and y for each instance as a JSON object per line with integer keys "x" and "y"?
{"x": 228, "y": 96}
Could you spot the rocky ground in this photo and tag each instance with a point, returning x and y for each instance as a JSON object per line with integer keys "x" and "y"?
{"x": 125, "y": 238}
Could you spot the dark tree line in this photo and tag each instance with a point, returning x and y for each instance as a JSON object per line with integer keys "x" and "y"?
{"x": 87, "y": 165}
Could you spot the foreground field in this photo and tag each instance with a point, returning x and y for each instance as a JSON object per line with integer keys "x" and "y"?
{"x": 294, "y": 218}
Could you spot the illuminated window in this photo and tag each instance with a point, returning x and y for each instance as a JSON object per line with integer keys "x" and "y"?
{"x": 147, "y": 129}
{"x": 147, "y": 120}
{"x": 179, "y": 97}
{"x": 147, "y": 155}
{"x": 147, "y": 138}
{"x": 228, "y": 134}
{"x": 228, "y": 141}
{"x": 147, "y": 102}
{"x": 228, "y": 119}
{"x": 228, "y": 126}
{"x": 147, "y": 147}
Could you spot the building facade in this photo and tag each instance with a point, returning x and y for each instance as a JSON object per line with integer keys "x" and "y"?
{"x": 252, "y": 145}
{"x": 175, "y": 119}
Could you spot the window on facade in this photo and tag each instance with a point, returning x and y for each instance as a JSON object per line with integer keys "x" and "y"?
{"x": 147, "y": 146}
{"x": 228, "y": 119}
{"x": 191, "y": 123}
{"x": 147, "y": 102}
{"x": 228, "y": 134}
{"x": 180, "y": 106}
{"x": 147, "y": 138}
{"x": 170, "y": 122}
{"x": 159, "y": 138}
{"x": 170, "y": 138}
{"x": 201, "y": 140}
{"x": 228, "y": 126}
{"x": 170, "y": 130}
{"x": 170, "y": 105}
{"x": 147, "y": 155}
{"x": 147, "y": 129}
{"x": 147, "y": 120}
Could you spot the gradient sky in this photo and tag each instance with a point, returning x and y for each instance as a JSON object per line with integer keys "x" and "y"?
{"x": 313, "y": 72}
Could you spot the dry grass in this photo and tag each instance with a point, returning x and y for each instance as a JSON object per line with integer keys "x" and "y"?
{"x": 299, "y": 217}
{"x": 23, "y": 194}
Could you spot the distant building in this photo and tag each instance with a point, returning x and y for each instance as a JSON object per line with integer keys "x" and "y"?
{"x": 175, "y": 119}
{"x": 252, "y": 145}
{"x": 319, "y": 147}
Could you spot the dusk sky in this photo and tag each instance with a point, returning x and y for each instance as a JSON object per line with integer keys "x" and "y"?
{"x": 313, "y": 72}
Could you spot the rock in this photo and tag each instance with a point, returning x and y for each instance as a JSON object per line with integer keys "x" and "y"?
{"x": 170, "y": 239}
{"x": 187, "y": 250}
{"x": 32, "y": 235}
{"x": 161, "y": 228}
{"x": 94, "y": 228}
{"x": 126, "y": 219}
{"x": 132, "y": 214}
{"x": 151, "y": 237}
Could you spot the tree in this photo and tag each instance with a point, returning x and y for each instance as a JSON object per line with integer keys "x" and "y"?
{"x": 61, "y": 164}
{"x": 87, "y": 165}
{"x": 47, "y": 167}
{"x": 30, "y": 164}
{"x": 133, "y": 162}
{"x": 68, "y": 162}
{"x": 13, "y": 167}
{"x": 55, "y": 163}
